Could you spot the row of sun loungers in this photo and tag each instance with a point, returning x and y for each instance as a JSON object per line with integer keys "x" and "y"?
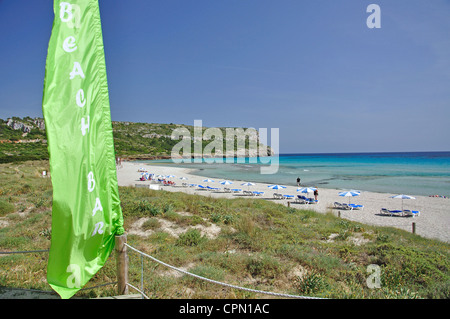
{"x": 346, "y": 206}
{"x": 299, "y": 199}
{"x": 225, "y": 189}
{"x": 254, "y": 193}
{"x": 401, "y": 213}
{"x": 232, "y": 190}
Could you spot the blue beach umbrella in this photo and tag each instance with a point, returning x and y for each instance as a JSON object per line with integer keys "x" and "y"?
{"x": 208, "y": 180}
{"x": 226, "y": 182}
{"x": 349, "y": 194}
{"x": 248, "y": 184}
{"x": 306, "y": 189}
{"x": 403, "y": 196}
{"x": 276, "y": 186}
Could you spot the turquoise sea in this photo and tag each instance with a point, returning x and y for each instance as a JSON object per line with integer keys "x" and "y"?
{"x": 413, "y": 173}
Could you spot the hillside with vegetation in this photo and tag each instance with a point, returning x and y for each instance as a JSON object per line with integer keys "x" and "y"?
{"x": 23, "y": 139}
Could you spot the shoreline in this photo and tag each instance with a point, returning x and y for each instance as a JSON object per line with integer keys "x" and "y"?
{"x": 433, "y": 222}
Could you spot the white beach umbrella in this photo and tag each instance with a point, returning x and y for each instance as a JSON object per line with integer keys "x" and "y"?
{"x": 248, "y": 184}
{"x": 170, "y": 176}
{"x": 403, "y": 196}
{"x": 349, "y": 194}
{"x": 226, "y": 182}
{"x": 183, "y": 178}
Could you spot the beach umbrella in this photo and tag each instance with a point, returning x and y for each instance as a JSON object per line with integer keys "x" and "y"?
{"x": 248, "y": 184}
{"x": 208, "y": 180}
{"x": 349, "y": 194}
{"x": 170, "y": 176}
{"x": 183, "y": 178}
{"x": 306, "y": 189}
{"x": 226, "y": 182}
{"x": 402, "y": 196}
{"x": 276, "y": 186}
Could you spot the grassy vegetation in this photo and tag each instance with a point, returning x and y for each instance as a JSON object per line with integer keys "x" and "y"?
{"x": 261, "y": 245}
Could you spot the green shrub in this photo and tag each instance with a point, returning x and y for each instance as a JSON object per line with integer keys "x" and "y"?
{"x": 264, "y": 266}
{"x": 191, "y": 237}
{"x": 311, "y": 283}
{"x": 6, "y": 208}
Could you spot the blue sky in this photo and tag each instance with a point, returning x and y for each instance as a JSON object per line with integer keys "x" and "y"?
{"x": 313, "y": 69}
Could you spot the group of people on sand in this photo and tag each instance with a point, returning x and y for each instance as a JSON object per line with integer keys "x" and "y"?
{"x": 316, "y": 191}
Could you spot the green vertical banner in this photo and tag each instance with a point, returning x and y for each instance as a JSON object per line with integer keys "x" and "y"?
{"x": 86, "y": 211}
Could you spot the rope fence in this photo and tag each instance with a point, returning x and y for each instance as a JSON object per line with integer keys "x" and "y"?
{"x": 212, "y": 281}
{"x": 140, "y": 291}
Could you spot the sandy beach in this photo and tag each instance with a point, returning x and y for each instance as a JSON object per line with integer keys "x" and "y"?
{"x": 433, "y": 222}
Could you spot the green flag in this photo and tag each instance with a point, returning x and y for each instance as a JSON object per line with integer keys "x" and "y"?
{"x": 86, "y": 211}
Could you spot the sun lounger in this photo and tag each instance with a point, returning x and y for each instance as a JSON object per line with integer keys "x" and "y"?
{"x": 390, "y": 212}
{"x": 258, "y": 193}
{"x": 396, "y": 212}
{"x": 340, "y": 205}
{"x": 288, "y": 196}
{"x": 411, "y": 213}
{"x": 248, "y": 193}
{"x": 236, "y": 190}
{"x": 347, "y": 206}
{"x": 202, "y": 187}
{"x": 192, "y": 185}
{"x": 226, "y": 190}
{"x": 312, "y": 201}
{"x": 277, "y": 196}
{"x": 216, "y": 189}
{"x": 300, "y": 199}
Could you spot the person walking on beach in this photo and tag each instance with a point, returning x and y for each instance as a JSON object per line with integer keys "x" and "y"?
{"x": 298, "y": 181}
{"x": 316, "y": 193}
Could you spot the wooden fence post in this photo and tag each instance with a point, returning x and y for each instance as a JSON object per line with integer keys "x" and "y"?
{"x": 413, "y": 227}
{"x": 122, "y": 264}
